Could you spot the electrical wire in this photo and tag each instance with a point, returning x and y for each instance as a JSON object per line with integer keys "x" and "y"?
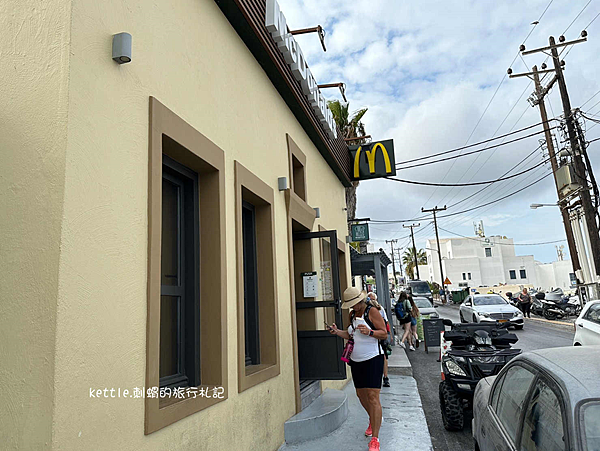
{"x": 452, "y": 185}
{"x": 503, "y": 244}
{"x": 472, "y": 152}
{"x": 495, "y": 93}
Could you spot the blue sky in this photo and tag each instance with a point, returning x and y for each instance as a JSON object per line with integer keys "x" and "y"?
{"x": 427, "y": 71}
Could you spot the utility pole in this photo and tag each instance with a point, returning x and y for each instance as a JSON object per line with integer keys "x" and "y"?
{"x": 586, "y": 199}
{"x": 412, "y": 234}
{"x": 589, "y": 224}
{"x": 538, "y": 99}
{"x": 437, "y": 238}
{"x": 393, "y": 259}
{"x": 398, "y": 250}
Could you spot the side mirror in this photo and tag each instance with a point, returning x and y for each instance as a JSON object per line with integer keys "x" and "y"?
{"x": 447, "y": 322}
{"x": 468, "y": 304}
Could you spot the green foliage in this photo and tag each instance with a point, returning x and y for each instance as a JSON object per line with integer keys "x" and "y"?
{"x": 408, "y": 259}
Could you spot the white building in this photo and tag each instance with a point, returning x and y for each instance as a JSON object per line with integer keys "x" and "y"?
{"x": 490, "y": 261}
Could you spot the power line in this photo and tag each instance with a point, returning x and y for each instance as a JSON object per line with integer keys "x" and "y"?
{"x": 390, "y": 221}
{"x": 503, "y": 244}
{"x": 414, "y": 182}
{"x": 503, "y": 143}
{"x": 494, "y": 95}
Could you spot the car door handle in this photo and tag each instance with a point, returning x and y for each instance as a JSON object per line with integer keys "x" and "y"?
{"x": 580, "y": 325}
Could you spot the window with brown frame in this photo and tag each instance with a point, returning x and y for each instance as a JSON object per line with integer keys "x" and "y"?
{"x": 186, "y": 342}
{"x": 258, "y": 337}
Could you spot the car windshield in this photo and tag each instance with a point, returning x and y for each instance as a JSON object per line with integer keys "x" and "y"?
{"x": 590, "y": 425}
{"x": 420, "y": 288}
{"x": 489, "y": 300}
{"x": 422, "y": 303}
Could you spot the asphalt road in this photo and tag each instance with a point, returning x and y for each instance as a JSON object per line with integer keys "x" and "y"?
{"x": 426, "y": 370}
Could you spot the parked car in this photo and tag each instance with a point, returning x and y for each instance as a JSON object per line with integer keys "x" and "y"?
{"x": 489, "y": 307}
{"x": 426, "y": 307}
{"x": 546, "y": 400}
{"x": 587, "y": 326}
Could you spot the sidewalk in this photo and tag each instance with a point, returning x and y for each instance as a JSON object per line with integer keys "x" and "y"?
{"x": 404, "y": 424}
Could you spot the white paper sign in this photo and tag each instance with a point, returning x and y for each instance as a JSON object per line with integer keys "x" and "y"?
{"x": 309, "y": 283}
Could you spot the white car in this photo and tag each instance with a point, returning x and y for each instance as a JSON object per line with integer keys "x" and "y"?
{"x": 489, "y": 307}
{"x": 425, "y": 307}
{"x": 587, "y": 326}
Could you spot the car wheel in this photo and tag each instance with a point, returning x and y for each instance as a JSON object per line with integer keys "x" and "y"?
{"x": 462, "y": 320}
{"x": 474, "y": 318}
{"x": 452, "y": 408}
{"x": 519, "y": 327}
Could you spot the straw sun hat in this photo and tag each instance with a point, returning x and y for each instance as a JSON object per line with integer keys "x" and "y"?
{"x": 353, "y": 296}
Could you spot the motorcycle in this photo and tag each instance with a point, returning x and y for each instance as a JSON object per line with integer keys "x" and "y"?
{"x": 558, "y": 305}
{"x": 470, "y": 352}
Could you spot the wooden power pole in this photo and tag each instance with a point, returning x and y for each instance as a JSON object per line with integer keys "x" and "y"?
{"x": 437, "y": 238}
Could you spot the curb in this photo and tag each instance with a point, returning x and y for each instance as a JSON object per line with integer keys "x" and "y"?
{"x": 562, "y": 323}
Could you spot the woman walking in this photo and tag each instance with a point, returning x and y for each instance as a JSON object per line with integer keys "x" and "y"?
{"x": 373, "y": 301}
{"x": 403, "y": 314}
{"x": 366, "y": 359}
{"x": 414, "y": 314}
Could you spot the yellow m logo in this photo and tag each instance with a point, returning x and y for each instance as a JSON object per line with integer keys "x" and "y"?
{"x": 371, "y": 158}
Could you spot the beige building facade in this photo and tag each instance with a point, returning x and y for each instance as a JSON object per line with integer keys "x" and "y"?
{"x": 91, "y": 152}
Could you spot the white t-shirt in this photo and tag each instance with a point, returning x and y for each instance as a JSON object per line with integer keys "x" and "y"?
{"x": 365, "y": 347}
{"x": 383, "y": 314}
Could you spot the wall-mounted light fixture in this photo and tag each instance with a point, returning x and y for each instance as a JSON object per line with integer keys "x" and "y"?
{"x": 282, "y": 183}
{"x": 121, "y": 48}
{"x": 318, "y": 29}
{"x": 342, "y": 87}
{"x": 318, "y": 212}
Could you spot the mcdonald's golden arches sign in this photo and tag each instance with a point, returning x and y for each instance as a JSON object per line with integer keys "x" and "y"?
{"x": 373, "y": 160}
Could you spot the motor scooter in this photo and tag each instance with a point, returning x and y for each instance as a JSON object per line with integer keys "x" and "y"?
{"x": 558, "y": 305}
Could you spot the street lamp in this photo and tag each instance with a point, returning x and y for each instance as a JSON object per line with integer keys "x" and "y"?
{"x": 534, "y": 206}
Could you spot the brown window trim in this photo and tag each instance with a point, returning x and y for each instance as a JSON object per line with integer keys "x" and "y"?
{"x": 297, "y": 176}
{"x": 195, "y": 151}
{"x": 251, "y": 189}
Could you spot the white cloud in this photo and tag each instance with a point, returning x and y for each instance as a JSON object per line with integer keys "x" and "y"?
{"x": 427, "y": 70}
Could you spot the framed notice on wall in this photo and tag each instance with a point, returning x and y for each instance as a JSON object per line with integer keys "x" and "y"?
{"x": 309, "y": 284}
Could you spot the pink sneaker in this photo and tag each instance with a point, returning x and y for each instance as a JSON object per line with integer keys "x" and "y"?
{"x": 374, "y": 444}
{"x": 369, "y": 431}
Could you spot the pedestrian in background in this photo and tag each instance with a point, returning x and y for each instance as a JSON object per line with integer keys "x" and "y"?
{"x": 377, "y": 305}
{"x": 414, "y": 314}
{"x": 403, "y": 309}
{"x": 525, "y": 302}
{"x": 366, "y": 358}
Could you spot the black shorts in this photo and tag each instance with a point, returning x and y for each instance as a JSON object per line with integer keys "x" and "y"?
{"x": 405, "y": 320}
{"x": 368, "y": 374}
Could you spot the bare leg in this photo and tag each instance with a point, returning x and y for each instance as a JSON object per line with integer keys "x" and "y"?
{"x": 364, "y": 399}
{"x": 385, "y": 367}
{"x": 406, "y": 327}
{"x": 376, "y": 411}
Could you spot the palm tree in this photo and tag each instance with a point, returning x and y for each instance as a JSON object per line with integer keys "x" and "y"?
{"x": 351, "y": 127}
{"x": 408, "y": 258}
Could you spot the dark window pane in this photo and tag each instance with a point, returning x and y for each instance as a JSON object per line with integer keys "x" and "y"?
{"x": 513, "y": 274}
{"x": 170, "y": 227}
{"x": 488, "y": 251}
{"x": 593, "y": 314}
{"x": 523, "y": 274}
{"x": 251, "y": 318}
{"x": 543, "y": 426}
{"x": 169, "y": 334}
{"x": 511, "y": 397}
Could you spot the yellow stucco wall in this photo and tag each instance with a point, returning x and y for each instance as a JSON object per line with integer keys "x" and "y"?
{"x": 187, "y": 56}
{"x": 34, "y": 57}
